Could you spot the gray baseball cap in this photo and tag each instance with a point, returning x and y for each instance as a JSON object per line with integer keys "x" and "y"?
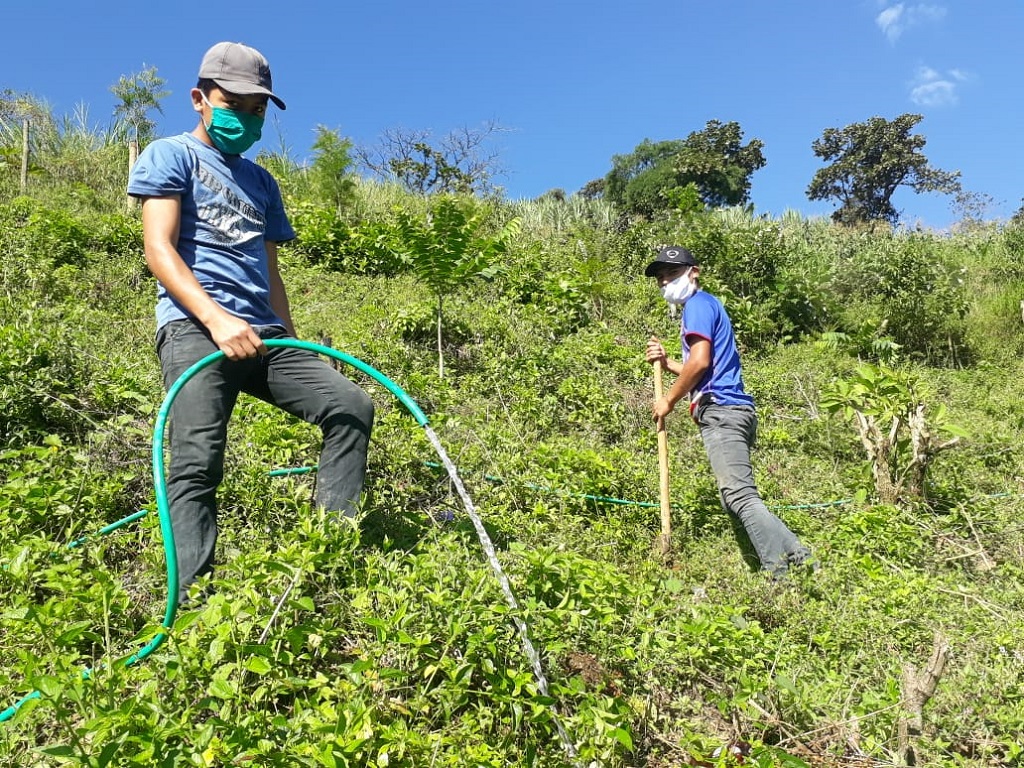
{"x": 237, "y": 68}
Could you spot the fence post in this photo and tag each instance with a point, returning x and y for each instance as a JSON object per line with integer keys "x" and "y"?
{"x": 24, "y": 155}
{"x": 133, "y": 155}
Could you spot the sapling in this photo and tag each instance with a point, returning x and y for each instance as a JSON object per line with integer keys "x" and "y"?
{"x": 447, "y": 250}
{"x": 895, "y": 426}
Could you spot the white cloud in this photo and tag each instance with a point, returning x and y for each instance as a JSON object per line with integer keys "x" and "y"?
{"x": 889, "y": 22}
{"x": 931, "y": 88}
{"x": 894, "y": 20}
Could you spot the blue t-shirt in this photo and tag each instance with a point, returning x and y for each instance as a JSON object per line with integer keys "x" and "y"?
{"x": 229, "y": 207}
{"x": 704, "y": 316}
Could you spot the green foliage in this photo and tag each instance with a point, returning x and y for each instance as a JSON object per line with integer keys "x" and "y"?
{"x": 138, "y": 94}
{"x": 390, "y": 642}
{"x": 331, "y": 175}
{"x": 911, "y": 289}
{"x": 864, "y": 342}
{"x": 325, "y": 238}
{"x": 73, "y": 165}
{"x": 44, "y": 238}
{"x": 869, "y": 162}
{"x": 447, "y": 249}
{"x": 896, "y": 427}
{"x": 748, "y": 264}
{"x": 652, "y": 177}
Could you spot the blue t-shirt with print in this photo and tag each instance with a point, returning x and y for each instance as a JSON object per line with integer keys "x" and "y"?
{"x": 229, "y": 207}
{"x": 704, "y": 316}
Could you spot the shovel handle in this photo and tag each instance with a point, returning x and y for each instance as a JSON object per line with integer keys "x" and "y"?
{"x": 663, "y": 490}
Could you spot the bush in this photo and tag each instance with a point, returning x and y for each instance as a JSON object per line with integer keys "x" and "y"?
{"x": 36, "y": 242}
{"x": 324, "y": 238}
{"x": 911, "y": 287}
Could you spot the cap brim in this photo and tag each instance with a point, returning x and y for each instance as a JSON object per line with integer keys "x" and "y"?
{"x": 248, "y": 89}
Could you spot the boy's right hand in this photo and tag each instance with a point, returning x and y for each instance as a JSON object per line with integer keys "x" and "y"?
{"x": 655, "y": 352}
{"x": 236, "y": 338}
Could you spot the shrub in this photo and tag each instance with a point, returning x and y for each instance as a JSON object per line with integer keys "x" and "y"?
{"x": 913, "y": 289}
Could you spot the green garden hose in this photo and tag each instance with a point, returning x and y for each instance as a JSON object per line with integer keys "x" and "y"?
{"x": 160, "y": 485}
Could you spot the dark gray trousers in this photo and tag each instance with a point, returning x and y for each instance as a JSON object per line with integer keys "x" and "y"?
{"x": 295, "y": 380}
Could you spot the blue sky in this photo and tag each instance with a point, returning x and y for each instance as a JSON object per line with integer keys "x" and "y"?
{"x": 575, "y": 83}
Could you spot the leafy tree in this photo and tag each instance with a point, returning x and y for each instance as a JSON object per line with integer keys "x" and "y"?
{"x": 139, "y": 93}
{"x": 869, "y": 161}
{"x": 462, "y": 162}
{"x": 332, "y": 163}
{"x": 447, "y": 249}
{"x": 719, "y": 164}
{"x": 593, "y": 189}
{"x": 714, "y": 160}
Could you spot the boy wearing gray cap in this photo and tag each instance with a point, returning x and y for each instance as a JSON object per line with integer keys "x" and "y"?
{"x": 211, "y": 223}
{"x": 711, "y": 376}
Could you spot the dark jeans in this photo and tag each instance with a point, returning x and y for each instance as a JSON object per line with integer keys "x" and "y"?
{"x": 296, "y": 380}
{"x": 729, "y": 433}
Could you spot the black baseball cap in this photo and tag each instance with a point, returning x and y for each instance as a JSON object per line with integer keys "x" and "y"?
{"x": 671, "y": 256}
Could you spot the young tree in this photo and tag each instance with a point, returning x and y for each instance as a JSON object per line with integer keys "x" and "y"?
{"x": 332, "y": 163}
{"x": 714, "y": 160}
{"x": 447, "y": 249}
{"x": 899, "y": 432}
{"x": 138, "y": 93}
{"x": 869, "y": 161}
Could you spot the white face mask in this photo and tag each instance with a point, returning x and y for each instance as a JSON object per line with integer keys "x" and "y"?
{"x": 680, "y": 289}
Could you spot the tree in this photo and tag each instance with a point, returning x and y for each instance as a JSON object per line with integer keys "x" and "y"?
{"x": 869, "y": 161}
{"x": 593, "y": 189}
{"x": 719, "y": 164}
{"x": 139, "y": 93}
{"x": 462, "y": 162}
{"x": 900, "y": 434}
{"x": 447, "y": 249}
{"x": 330, "y": 172}
{"x": 714, "y": 160}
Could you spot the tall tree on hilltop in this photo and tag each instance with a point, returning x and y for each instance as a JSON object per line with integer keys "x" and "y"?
{"x": 869, "y": 161}
{"x": 714, "y": 160}
{"x": 331, "y": 171}
{"x": 137, "y": 94}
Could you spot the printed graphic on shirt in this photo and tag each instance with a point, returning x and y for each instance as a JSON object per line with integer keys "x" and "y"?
{"x": 228, "y": 218}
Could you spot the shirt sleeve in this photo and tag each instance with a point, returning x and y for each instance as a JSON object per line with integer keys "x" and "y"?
{"x": 699, "y": 318}
{"x": 164, "y": 168}
{"x": 279, "y": 229}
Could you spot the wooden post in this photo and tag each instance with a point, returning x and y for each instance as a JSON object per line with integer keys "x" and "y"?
{"x": 24, "y": 155}
{"x": 133, "y": 155}
{"x": 664, "y": 541}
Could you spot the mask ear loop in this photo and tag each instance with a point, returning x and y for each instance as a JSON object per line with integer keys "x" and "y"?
{"x": 206, "y": 101}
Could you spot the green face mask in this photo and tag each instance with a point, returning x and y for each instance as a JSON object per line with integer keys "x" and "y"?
{"x": 231, "y": 131}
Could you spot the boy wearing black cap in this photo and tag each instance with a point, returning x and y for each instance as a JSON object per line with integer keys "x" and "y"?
{"x": 711, "y": 375}
{"x": 211, "y": 223}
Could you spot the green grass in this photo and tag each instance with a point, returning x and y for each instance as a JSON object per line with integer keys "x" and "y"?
{"x": 395, "y": 645}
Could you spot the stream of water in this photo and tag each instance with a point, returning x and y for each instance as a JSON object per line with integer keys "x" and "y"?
{"x": 510, "y": 598}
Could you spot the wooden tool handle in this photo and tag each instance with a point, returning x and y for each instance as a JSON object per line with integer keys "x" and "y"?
{"x": 666, "y": 516}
